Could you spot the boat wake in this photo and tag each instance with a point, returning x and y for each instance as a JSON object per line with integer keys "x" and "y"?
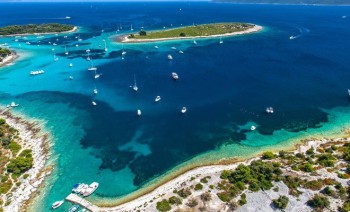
{"x": 302, "y": 31}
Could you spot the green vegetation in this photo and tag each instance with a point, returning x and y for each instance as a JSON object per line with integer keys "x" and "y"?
{"x": 243, "y": 200}
{"x": 13, "y": 160}
{"x": 268, "y": 156}
{"x": 198, "y": 187}
{"x": 196, "y": 30}
{"x": 4, "y": 53}
{"x": 35, "y": 28}
{"x": 175, "y": 200}
{"x": 163, "y": 205}
{"x": 318, "y": 202}
{"x": 185, "y": 192}
{"x": 281, "y": 202}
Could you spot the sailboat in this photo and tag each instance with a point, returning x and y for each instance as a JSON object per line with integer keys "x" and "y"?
{"x": 134, "y": 87}
{"x": 97, "y": 75}
{"x": 65, "y": 49}
{"x": 194, "y": 42}
{"x": 104, "y": 41}
{"x": 92, "y": 68}
{"x": 139, "y": 112}
{"x": 93, "y": 103}
{"x": 131, "y": 28}
{"x": 221, "y": 41}
{"x": 123, "y": 51}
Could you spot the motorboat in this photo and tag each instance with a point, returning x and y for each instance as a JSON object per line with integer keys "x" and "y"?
{"x": 269, "y": 110}
{"x": 157, "y": 99}
{"x": 173, "y": 47}
{"x": 70, "y": 77}
{"x": 94, "y": 103}
{"x": 170, "y": 57}
{"x": 74, "y": 208}
{"x": 139, "y": 112}
{"x": 156, "y": 47}
{"x": 33, "y": 73}
{"x": 175, "y": 76}
{"x": 252, "y": 128}
{"x": 57, "y": 204}
{"x": 183, "y": 110}
{"x": 134, "y": 87}
{"x": 95, "y": 91}
{"x": 181, "y": 52}
{"x": 97, "y": 76}
{"x": 70, "y": 64}
{"x": 13, "y": 104}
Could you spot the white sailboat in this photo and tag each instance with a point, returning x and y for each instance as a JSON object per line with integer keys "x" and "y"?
{"x": 123, "y": 51}
{"x": 170, "y": 57}
{"x": 221, "y": 41}
{"x": 93, "y": 103}
{"x": 139, "y": 112}
{"x": 194, "y": 42}
{"x": 157, "y": 99}
{"x": 104, "y": 41}
{"x": 183, "y": 110}
{"x": 131, "y": 28}
{"x": 92, "y": 68}
{"x": 65, "y": 50}
{"x": 134, "y": 87}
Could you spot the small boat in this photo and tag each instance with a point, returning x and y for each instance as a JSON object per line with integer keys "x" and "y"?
{"x": 92, "y": 69}
{"x": 194, "y": 42}
{"x": 57, "y": 204}
{"x": 97, "y": 76}
{"x": 181, "y": 52}
{"x": 123, "y": 52}
{"x": 183, "y": 110}
{"x": 269, "y": 110}
{"x": 134, "y": 87}
{"x": 76, "y": 45}
{"x": 55, "y": 59}
{"x": 95, "y": 91}
{"x": 33, "y": 73}
{"x": 54, "y": 44}
{"x": 252, "y": 128}
{"x": 70, "y": 77}
{"x": 292, "y": 37}
{"x": 170, "y": 57}
{"x": 221, "y": 41}
{"x": 67, "y": 17}
{"x": 90, "y": 189}
{"x": 13, "y": 104}
{"x": 70, "y": 64}
{"x": 175, "y": 76}
{"x": 173, "y": 47}
{"x": 157, "y": 99}
{"x": 104, "y": 41}
{"x": 28, "y": 43}
{"x": 74, "y": 208}
{"x": 349, "y": 92}
{"x": 131, "y": 28}
{"x": 87, "y": 50}
{"x": 139, "y": 112}
{"x": 156, "y": 47}
{"x": 94, "y": 103}
{"x": 65, "y": 49}
{"x": 88, "y": 58}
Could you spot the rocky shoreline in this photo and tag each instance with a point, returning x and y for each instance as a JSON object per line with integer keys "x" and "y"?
{"x": 32, "y": 137}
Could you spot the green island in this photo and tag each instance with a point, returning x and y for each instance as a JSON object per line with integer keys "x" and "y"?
{"x": 4, "y": 52}
{"x": 35, "y": 28}
{"x": 204, "y": 30}
{"x": 14, "y": 161}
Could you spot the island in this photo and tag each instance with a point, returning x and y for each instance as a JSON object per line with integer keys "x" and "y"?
{"x": 50, "y": 28}
{"x": 191, "y": 32}
{"x": 6, "y": 56}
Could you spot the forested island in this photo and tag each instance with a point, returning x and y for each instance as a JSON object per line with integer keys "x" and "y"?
{"x": 307, "y": 2}
{"x": 35, "y": 29}
{"x": 189, "y": 32}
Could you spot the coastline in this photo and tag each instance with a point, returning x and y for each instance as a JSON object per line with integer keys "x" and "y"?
{"x": 125, "y": 39}
{"x": 149, "y": 199}
{"x": 9, "y": 59}
{"x": 75, "y": 29}
{"x": 32, "y": 137}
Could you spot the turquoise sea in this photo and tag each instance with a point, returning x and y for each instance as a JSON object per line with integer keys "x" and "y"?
{"x": 225, "y": 87}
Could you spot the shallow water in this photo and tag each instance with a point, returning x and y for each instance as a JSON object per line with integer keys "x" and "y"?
{"x": 225, "y": 87}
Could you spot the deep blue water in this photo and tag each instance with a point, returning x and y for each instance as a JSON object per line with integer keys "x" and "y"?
{"x": 223, "y": 86}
